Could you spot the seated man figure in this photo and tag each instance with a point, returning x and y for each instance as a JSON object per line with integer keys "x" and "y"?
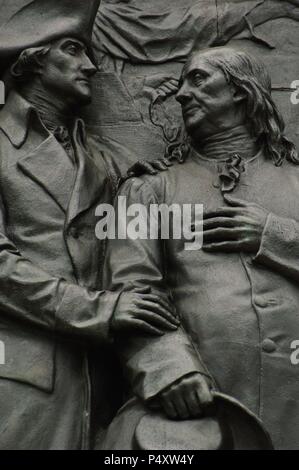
{"x": 238, "y": 296}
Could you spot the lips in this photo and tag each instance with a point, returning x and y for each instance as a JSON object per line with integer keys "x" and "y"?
{"x": 86, "y": 81}
{"x": 190, "y": 109}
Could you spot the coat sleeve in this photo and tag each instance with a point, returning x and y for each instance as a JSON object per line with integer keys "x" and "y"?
{"x": 279, "y": 248}
{"x": 150, "y": 363}
{"x": 29, "y": 294}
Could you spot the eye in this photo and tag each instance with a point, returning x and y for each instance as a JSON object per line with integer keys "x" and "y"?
{"x": 72, "y": 49}
{"x": 197, "y": 78}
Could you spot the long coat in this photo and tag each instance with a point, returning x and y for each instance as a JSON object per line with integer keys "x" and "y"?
{"x": 50, "y": 273}
{"x": 240, "y": 312}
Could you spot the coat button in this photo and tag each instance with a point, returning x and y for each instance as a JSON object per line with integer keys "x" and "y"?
{"x": 268, "y": 345}
{"x": 261, "y": 302}
{"x": 74, "y": 233}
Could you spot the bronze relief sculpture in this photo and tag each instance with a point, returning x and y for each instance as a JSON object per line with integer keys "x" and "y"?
{"x": 237, "y": 297}
{"x": 51, "y": 181}
{"x": 202, "y": 338}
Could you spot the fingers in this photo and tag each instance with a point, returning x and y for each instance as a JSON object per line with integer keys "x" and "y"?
{"x": 187, "y": 398}
{"x": 140, "y": 168}
{"x": 154, "y": 403}
{"x": 144, "y": 312}
{"x": 159, "y": 310}
{"x": 218, "y": 222}
{"x": 180, "y": 405}
{"x": 204, "y": 394}
{"x": 159, "y": 165}
{"x": 227, "y": 246}
{"x": 238, "y": 234}
{"x": 155, "y": 320}
{"x": 226, "y": 222}
{"x": 194, "y": 404}
{"x": 160, "y": 301}
{"x": 128, "y": 324}
{"x": 144, "y": 327}
{"x": 168, "y": 88}
{"x": 174, "y": 404}
{"x": 167, "y": 162}
{"x": 235, "y": 202}
{"x": 149, "y": 167}
{"x": 237, "y": 207}
{"x": 220, "y": 234}
{"x": 169, "y": 408}
{"x": 167, "y": 305}
{"x": 221, "y": 212}
{"x": 162, "y": 164}
{"x": 146, "y": 167}
{"x": 142, "y": 290}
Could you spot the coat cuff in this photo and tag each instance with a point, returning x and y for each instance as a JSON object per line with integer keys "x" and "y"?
{"x": 158, "y": 362}
{"x": 280, "y": 242}
{"x": 86, "y": 314}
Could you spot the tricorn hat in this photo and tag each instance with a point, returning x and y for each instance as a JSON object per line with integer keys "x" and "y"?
{"x": 231, "y": 427}
{"x": 42, "y": 21}
{"x": 228, "y": 425}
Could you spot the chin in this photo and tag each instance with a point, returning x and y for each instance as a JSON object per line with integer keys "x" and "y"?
{"x": 83, "y": 99}
{"x": 193, "y": 121}
{"x": 191, "y": 126}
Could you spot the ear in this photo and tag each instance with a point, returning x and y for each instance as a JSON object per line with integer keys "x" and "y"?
{"x": 38, "y": 55}
{"x": 238, "y": 94}
{"x": 30, "y": 61}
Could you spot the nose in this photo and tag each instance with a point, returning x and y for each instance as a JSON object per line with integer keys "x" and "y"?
{"x": 88, "y": 66}
{"x": 183, "y": 95}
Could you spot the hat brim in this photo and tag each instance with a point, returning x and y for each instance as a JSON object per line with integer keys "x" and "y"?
{"x": 42, "y": 21}
{"x": 232, "y": 427}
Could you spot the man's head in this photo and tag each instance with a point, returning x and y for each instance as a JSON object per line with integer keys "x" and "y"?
{"x": 62, "y": 68}
{"x": 222, "y": 88}
{"x": 211, "y": 101}
{"x": 50, "y": 42}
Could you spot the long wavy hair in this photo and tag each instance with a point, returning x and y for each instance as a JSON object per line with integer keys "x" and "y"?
{"x": 266, "y": 124}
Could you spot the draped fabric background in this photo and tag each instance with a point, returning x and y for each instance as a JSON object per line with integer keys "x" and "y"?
{"x": 141, "y": 45}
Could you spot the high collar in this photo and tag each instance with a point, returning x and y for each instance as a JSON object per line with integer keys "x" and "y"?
{"x": 15, "y": 119}
{"x": 48, "y": 108}
{"x": 222, "y": 146}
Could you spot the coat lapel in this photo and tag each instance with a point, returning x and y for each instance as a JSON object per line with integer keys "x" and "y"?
{"x": 47, "y": 165}
{"x": 90, "y": 180}
{"x": 74, "y": 190}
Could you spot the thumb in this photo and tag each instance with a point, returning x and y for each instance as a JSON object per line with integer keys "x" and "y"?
{"x": 142, "y": 290}
{"x": 233, "y": 201}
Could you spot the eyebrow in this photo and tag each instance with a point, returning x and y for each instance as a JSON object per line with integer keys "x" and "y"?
{"x": 189, "y": 73}
{"x": 198, "y": 70}
{"x": 74, "y": 42}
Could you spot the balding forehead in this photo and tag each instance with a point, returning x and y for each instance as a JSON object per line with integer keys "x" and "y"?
{"x": 198, "y": 61}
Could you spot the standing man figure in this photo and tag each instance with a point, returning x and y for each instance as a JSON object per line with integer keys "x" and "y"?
{"x": 52, "y": 308}
{"x": 238, "y": 297}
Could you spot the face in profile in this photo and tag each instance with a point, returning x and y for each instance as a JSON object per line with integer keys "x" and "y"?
{"x": 67, "y": 71}
{"x": 206, "y": 97}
